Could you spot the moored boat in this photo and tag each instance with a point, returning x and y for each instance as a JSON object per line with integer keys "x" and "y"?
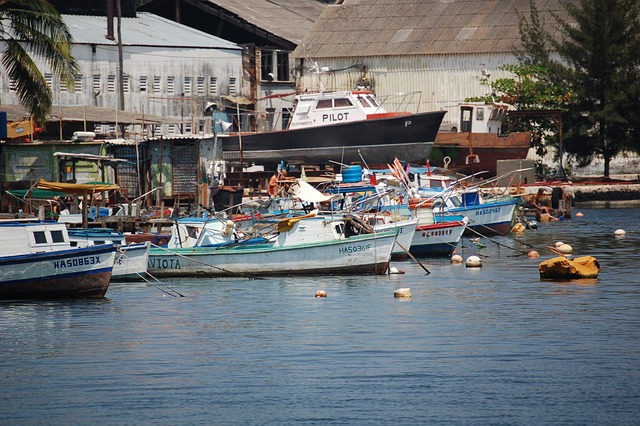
{"x": 487, "y": 216}
{"x": 131, "y": 258}
{"x": 406, "y": 230}
{"x": 38, "y": 262}
{"x": 302, "y": 246}
{"x": 455, "y": 198}
{"x": 436, "y": 235}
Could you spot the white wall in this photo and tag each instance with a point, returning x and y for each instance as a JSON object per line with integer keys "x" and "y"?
{"x": 176, "y": 62}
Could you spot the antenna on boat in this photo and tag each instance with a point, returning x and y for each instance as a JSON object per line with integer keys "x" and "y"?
{"x": 317, "y": 71}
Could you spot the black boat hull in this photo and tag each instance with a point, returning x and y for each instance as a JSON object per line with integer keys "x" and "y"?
{"x": 378, "y": 141}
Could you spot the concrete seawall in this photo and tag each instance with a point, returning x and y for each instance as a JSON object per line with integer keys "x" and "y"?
{"x": 596, "y": 193}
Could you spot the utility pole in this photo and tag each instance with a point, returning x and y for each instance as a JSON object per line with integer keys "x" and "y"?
{"x": 120, "y": 60}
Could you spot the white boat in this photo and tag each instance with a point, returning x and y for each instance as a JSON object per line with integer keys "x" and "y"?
{"x": 38, "y": 262}
{"x": 206, "y": 231}
{"x": 454, "y": 198}
{"x": 406, "y": 230}
{"x": 436, "y": 236}
{"x": 131, "y": 258}
{"x": 345, "y": 124}
{"x": 302, "y": 246}
{"x": 487, "y": 216}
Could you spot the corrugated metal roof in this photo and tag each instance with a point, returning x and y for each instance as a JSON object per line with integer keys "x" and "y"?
{"x": 290, "y": 20}
{"x": 88, "y": 113}
{"x": 146, "y": 29}
{"x": 424, "y": 27}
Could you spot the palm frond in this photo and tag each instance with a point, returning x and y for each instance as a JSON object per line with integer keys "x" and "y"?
{"x": 35, "y": 28}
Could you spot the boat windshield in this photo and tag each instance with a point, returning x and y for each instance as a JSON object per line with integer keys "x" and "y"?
{"x": 364, "y": 102}
{"x": 374, "y": 101}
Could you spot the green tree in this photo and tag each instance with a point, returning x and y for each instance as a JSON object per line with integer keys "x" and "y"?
{"x": 34, "y": 29}
{"x": 599, "y": 44}
{"x": 534, "y": 85}
{"x": 532, "y": 90}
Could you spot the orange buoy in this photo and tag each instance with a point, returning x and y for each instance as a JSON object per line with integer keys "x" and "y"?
{"x": 321, "y": 293}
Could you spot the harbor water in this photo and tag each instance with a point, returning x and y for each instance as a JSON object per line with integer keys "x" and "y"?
{"x": 488, "y": 345}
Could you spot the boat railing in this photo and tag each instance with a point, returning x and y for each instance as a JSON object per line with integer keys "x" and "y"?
{"x": 406, "y": 101}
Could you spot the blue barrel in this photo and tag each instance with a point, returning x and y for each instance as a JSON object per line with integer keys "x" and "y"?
{"x": 352, "y": 174}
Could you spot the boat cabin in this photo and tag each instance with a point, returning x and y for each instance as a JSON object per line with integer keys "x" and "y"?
{"x": 321, "y": 109}
{"x": 306, "y": 230}
{"x": 32, "y": 236}
{"x": 201, "y": 232}
{"x": 481, "y": 117}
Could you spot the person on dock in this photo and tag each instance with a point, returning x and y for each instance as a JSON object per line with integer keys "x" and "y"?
{"x": 276, "y": 183}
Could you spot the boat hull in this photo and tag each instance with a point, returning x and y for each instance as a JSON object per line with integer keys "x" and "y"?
{"x": 463, "y": 149}
{"x": 493, "y": 218}
{"x": 437, "y": 239}
{"x": 131, "y": 261}
{"x": 406, "y": 231}
{"x": 358, "y": 254}
{"x": 74, "y": 273}
{"x": 378, "y": 141}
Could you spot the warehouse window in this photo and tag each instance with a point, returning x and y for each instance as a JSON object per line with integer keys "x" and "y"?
{"x": 171, "y": 88}
{"x": 156, "y": 84}
{"x": 96, "y": 84}
{"x": 213, "y": 86}
{"x": 200, "y": 85}
{"x": 77, "y": 86}
{"x": 274, "y": 65}
{"x": 111, "y": 83}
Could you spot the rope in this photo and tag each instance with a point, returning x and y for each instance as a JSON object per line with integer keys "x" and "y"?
{"x": 498, "y": 243}
{"x": 123, "y": 253}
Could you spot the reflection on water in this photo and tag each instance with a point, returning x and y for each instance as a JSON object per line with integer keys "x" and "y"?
{"x": 489, "y": 345}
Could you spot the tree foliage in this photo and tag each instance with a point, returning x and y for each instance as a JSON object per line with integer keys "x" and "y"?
{"x": 601, "y": 67}
{"x": 34, "y": 29}
{"x": 596, "y": 81}
{"x": 533, "y": 86}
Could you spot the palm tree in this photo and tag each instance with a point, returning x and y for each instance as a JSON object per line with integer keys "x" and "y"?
{"x": 29, "y": 29}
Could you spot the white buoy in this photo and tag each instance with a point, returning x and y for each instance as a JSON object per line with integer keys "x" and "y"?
{"x": 402, "y": 292}
{"x": 565, "y": 249}
{"x": 456, "y": 258}
{"x": 473, "y": 262}
{"x": 620, "y": 232}
{"x": 321, "y": 293}
{"x": 394, "y": 270}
